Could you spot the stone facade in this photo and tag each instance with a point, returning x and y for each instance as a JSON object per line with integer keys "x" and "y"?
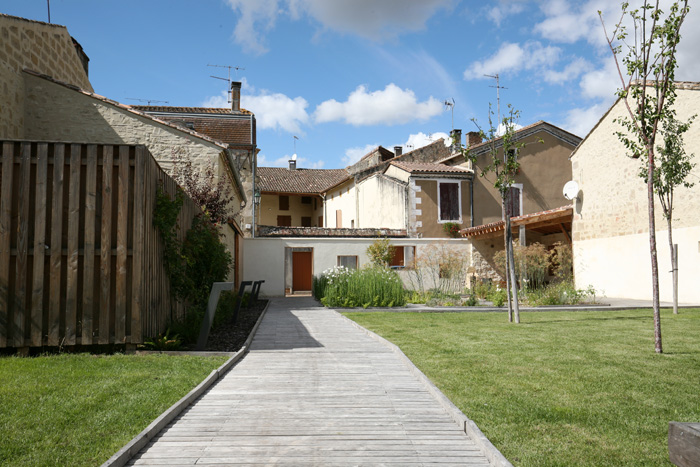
{"x": 44, "y": 48}
{"x": 611, "y": 224}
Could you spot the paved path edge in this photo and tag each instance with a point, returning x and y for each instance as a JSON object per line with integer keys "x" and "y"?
{"x": 121, "y": 457}
{"x": 470, "y": 428}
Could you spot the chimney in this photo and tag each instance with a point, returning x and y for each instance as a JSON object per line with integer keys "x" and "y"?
{"x": 456, "y": 138}
{"x": 398, "y": 150}
{"x": 473, "y": 137}
{"x": 235, "y": 96}
{"x": 292, "y": 164}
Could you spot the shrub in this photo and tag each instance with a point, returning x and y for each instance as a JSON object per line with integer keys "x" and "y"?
{"x": 563, "y": 262}
{"x": 374, "y": 286}
{"x": 439, "y": 266}
{"x": 498, "y": 297}
{"x": 381, "y": 252}
{"x": 561, "y": 293}
{"x": 451, "y": 228}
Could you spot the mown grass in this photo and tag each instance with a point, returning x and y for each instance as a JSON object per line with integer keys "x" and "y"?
{"x": 80, "y": 409}
{"x": 561, "y": 388}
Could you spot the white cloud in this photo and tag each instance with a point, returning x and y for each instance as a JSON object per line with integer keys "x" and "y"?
{"x": 572, "y": 71}
{"x": 504, "y": 9}
{"x": 501, "y": 130}
{"x": 302, "y": 162}
{"x": 513, "y": 57}
{"x": 253, "y": 16}
{"x": 568, "y": 22}
{"x": 581, "y": 120}
{"x": 273, "y": 111}
{"x": 353, "y": 155}
{"x": 369, "y": 18}
{"x": 391, "y": 106}
{"x": 418, "y": 140}
{"x": 601, "y": 83}
{"x": 277, "y": 111}
{"x": 366, "y": 18}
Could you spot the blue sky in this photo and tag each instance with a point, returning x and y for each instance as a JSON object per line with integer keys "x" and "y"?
{"x": 347, "y": 75}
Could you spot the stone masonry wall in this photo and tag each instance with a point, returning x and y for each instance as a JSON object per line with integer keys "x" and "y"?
{"x": 613, "y": 198}
{"x": 45, "y": 48}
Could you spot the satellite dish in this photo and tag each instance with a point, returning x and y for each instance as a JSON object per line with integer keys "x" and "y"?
{"x": 571, "y": 190}
{"x": 294, "y": 157}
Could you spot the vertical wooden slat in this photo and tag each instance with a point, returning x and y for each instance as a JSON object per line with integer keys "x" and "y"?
{"x": 137, "y": 247}
{"x": 73, "y": 244}
{"x": 89, "y": 244}
{"x": 21, "y": 302}
{"x": 42, "y": 163}
{"x": 106, "y": 244}
{"x": 122, "y": 225}
{"x": 8, "y": 162}
{"x": 56, "y": 245}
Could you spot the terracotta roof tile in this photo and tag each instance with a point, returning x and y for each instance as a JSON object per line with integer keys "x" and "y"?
{"x": 283, "y": 180}
{"x": 189, "y": 110}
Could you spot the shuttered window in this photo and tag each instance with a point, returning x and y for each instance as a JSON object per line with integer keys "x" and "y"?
{"x": 449, "y": 201}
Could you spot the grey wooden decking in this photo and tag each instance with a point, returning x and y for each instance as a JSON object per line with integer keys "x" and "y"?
{"x": 314, "y": 390}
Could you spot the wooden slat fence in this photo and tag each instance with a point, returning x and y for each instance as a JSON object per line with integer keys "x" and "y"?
{"x": 80, "y": 260}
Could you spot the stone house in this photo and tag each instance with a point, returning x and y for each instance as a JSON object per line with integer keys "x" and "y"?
{"x": 541, "y": 213}
{"x": 611, "y": 225}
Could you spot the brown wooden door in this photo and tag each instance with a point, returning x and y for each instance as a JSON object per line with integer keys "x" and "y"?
{"x": 301, "y": 270}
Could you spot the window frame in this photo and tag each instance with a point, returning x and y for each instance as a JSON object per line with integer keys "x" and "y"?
{"x": 357, "y": 261}
{"x": 459, "y": 201}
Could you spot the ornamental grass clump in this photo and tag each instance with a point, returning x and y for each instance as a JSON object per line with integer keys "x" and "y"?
{"x": 373, "y": 286}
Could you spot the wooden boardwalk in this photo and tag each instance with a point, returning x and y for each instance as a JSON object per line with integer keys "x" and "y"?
{"x": 314, "y": 390}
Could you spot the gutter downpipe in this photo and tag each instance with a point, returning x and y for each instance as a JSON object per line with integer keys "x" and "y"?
{"x": 254, "y": 163}
{"x": 325, "y": 218}
{"x": 471, "y": 200}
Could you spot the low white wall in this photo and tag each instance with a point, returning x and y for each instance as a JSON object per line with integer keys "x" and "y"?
{"x": 263, "y": 258}
{"x": 620, "y": 267}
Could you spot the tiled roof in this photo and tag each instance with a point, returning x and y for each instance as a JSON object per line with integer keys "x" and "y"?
{"x": 187, "y": 110}
{"x": 558, "y": 215}
{"x": 427, "y": 167}
{"x": 283, "y": 180}
{"x": 520, "y": 133}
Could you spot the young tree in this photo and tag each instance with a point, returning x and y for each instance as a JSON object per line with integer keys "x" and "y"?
{"x": 503, "y": 164}
{"x": 673, "y": 167}
{"x": 211, "y": 193}
{"x": 648, "y": 93}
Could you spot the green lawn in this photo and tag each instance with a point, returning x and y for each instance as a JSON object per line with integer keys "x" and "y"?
{"x": 81, "y": 409}
{"x": 561, "y": 388}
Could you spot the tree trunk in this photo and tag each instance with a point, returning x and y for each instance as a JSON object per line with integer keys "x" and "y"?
{"x": 654, "y": 260}
{"x": 504, "y": 209}
{"x": 511, "y": 269}
{"x": 674, "y": 263}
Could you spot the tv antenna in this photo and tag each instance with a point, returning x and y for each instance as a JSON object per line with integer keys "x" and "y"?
{"x": 295, "y": 144}
{"x": 228, "y": 80}
{"x": 451, "y": 105}
{"x": 498, "y": 95}
{"x": 147, "y": 100}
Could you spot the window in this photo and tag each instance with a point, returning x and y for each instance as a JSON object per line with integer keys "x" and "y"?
{"x": 449, "y": 202}
{"x": 403, "y": 257}
{"x": 305, "y": 221}
{"x": 320, "y": 221}
{"x": 306, "y": 200}
{"x": 514, "y": 200}
{"x": 284, "y": 203}
{"x": 284, "y": 221}
{"x": 349, "y": 262}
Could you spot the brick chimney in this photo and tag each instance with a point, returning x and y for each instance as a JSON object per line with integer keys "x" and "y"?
{"x": 235, "y": 96}
{"x": 398, "y": 150}
{"x": 473, "y": 138}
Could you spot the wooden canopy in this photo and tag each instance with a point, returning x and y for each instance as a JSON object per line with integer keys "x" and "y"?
{"x": 544, "y": 222}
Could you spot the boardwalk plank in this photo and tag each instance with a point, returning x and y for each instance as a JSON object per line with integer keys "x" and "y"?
{"x": 314, "y": 390}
